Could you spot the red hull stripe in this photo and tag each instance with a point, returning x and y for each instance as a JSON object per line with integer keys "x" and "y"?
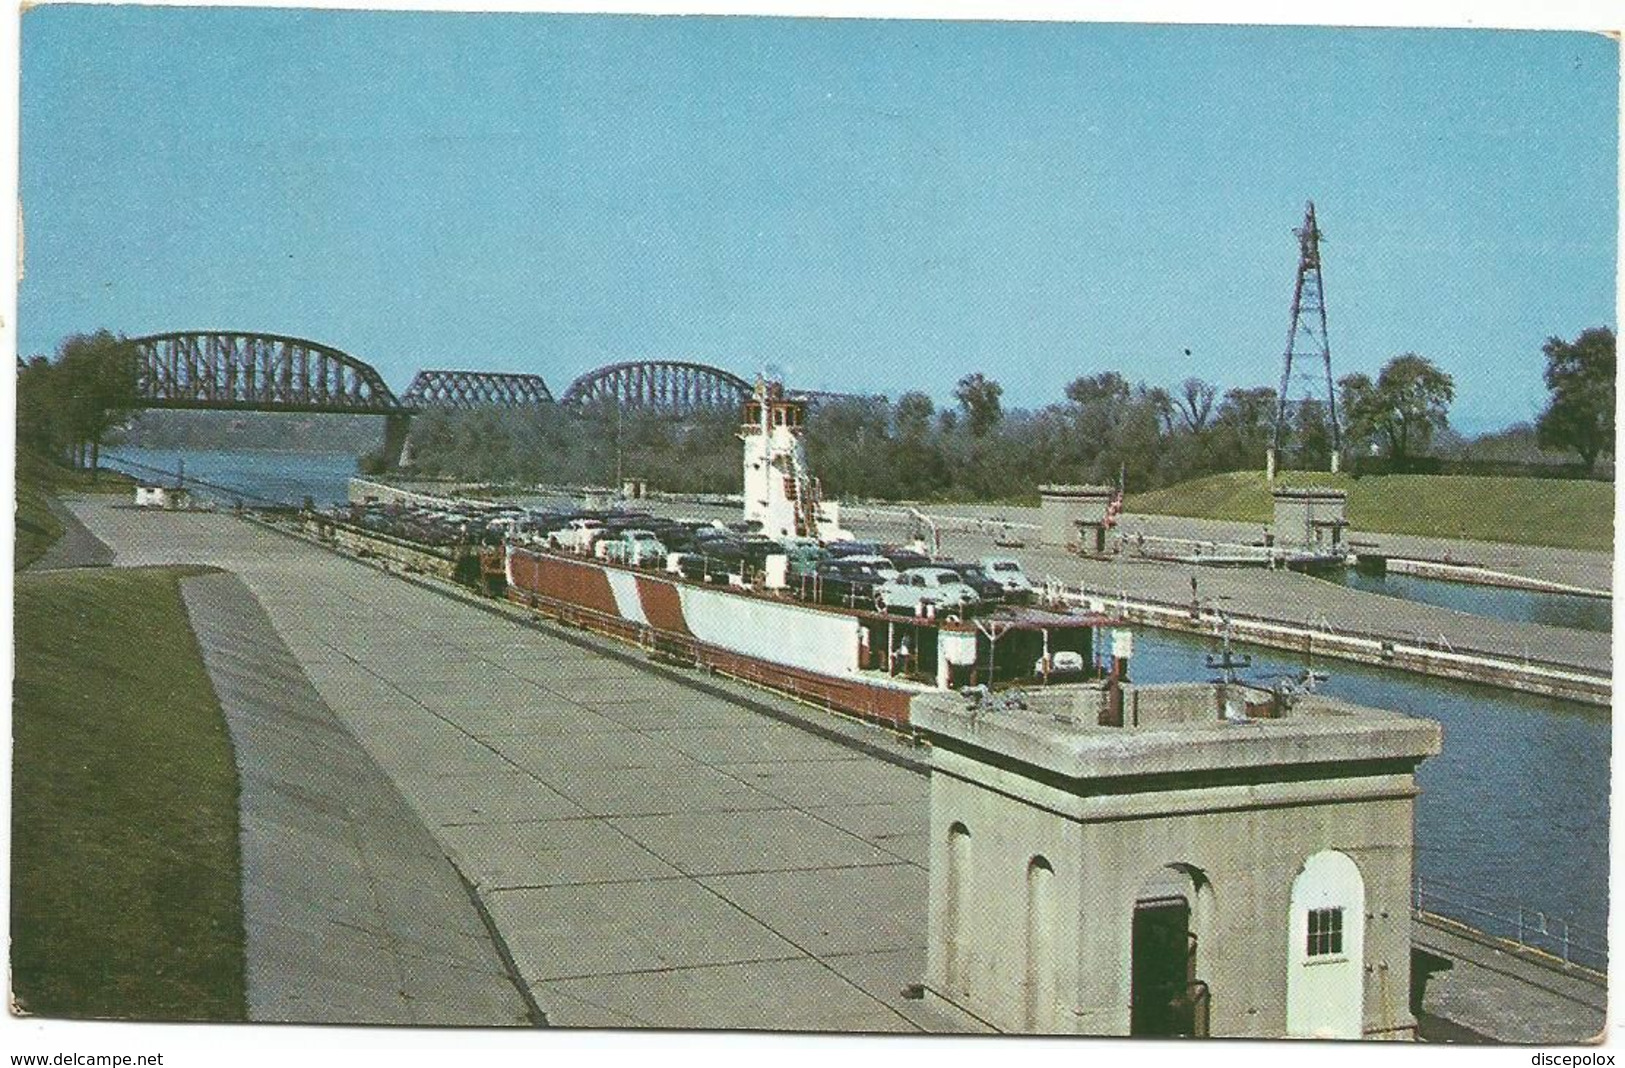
{"x": 852, "y": 696}
{"x": 568, "y": 581}
{"x": 662, "y": 606}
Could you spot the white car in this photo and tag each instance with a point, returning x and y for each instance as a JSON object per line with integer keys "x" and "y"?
{"x": 578, "y": 536}
{"x": 640, "y": 548}
{"x": 1008, "y": 573}
{"x": 918, "y": 587}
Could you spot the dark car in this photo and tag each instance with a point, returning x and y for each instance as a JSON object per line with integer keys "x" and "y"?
{"x": 728, "y": 555}
{"x": 903, "y": 558}
{"x": 619, "y": 521}
{"x": 853, "y": 548}
{"x": 838, "y": 582}
{"x": 989, "y": 589}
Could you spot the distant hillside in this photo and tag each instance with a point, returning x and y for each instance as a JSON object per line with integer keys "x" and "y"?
{"x": 1525, "y": 511}
{"x": 278, "y": 431}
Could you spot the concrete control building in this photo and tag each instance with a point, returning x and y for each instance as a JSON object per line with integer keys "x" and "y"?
{"x": 1075, "y": 517}
{"x": 1225, "y": 863}
{"x": 1313, "y": 519}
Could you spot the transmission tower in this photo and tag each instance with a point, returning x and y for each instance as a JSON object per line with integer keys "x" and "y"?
{"x": 1305, "y": 341}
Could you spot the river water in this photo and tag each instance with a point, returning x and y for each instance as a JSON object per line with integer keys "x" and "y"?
{"x": 1514, "y": 811}
{"x": 257, "y": 478}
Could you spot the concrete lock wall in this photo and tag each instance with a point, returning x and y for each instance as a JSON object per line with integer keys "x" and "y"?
{"x": 370, "y": 544}
{"x": 1059, "y": 961}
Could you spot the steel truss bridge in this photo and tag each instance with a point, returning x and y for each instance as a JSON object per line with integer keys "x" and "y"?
{"x": 255, "y": 372}
{"x": 249, "y": 371}
{"x": 276, "y": 373}
{"x": 244, "y": 371}
{"x": 659, "y": 385}
{"x": 475, "y": 389}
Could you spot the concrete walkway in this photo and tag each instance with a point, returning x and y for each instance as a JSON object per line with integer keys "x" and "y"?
{"x": 651, "y": 857}
{"x": 1573, "y": 567}
{"x": 1508, "y": 996}
{"x": 77, "y": 547}
{"x": 352, "y": 914}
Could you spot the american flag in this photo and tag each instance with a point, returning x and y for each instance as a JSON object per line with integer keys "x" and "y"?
{"x": 1114, "y": 509}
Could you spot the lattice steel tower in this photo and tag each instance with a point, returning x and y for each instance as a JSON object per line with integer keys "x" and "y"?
{"x": 1306, "y": 340}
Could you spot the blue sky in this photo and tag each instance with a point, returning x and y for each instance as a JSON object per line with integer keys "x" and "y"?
{"x": 874, "y": 206}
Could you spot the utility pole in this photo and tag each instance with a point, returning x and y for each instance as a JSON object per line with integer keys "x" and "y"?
{"x": 1306, "y": 338}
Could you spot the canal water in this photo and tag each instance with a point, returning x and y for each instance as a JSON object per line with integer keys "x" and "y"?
{"x": 1513, "y": 812}
{"x": 1518, "y": 606}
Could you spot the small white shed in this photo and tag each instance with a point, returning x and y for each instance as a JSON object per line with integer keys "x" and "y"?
{"x": 161, "y": 497}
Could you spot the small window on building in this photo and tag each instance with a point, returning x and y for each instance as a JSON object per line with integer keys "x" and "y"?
{"x": 1325, "y": 932}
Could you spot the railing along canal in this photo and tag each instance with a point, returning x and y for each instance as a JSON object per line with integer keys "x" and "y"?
{"x": 1529, "y": 928}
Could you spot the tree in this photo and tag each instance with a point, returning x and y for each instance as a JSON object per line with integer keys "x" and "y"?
{"x": 1242, "y": 427}
{"x": 1402, "y": 409}
{"x": 1195, "y": 403}
{"x": 914, "y": 467}
{"x": 979, "y": 397}
{"x": 1312, "y": 435}
{"x": 1107, "y": 389}
{"x": 912, "y": 416}
{"x": 96, "y": 386}
{"x": 40, "y": 424}
{"x": 1580, "y": 414}
{"x": 844, "y": 437}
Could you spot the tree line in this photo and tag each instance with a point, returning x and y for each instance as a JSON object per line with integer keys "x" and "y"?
{"x": 67, "y": 405}
{"x": 1104, "y": 429}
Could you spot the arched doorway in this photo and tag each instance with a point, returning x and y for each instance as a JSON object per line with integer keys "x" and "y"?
{"x": 1325, "y": 983}
{"x": 1038, "y": 982}
{"x": 956, "y": 970}
{"x": 1171, "y": 912}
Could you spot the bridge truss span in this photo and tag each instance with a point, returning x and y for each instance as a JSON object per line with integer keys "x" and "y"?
{"x": 255, "y": 372}
{"x": 475, "y": 389}
{"x": 668, "y": 386}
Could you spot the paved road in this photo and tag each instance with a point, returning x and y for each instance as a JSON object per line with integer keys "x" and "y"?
{"x": 650, "y": 857}
{"x": 1505, "y": 997}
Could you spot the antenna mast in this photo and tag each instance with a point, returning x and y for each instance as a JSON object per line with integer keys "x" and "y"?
{"x": 1306, "y": 339}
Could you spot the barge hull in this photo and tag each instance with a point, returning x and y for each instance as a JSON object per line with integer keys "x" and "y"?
{"x": 814, "y": 654}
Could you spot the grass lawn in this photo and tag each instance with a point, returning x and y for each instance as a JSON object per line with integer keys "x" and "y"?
{"x": 124, "y": 864}
{"x": 37, "y": 528}
{"x": 1525, "y": 511}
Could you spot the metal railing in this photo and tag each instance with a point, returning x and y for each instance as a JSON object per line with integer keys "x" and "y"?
{"x": 1530, "y": 928}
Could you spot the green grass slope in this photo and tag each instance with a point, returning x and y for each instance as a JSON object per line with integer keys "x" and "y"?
{"x": 37, "y": 527}
{"x": 124, "y": 864}
{"x": 1525, "y": 511}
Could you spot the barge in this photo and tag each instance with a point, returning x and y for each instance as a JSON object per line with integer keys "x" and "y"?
{"x": 770, "y": 627}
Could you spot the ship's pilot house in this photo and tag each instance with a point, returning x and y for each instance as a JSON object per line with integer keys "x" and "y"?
{"x": 1164, "y": 861}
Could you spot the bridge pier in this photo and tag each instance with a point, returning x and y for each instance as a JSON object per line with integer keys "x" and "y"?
{"x": 396, "y": 427}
